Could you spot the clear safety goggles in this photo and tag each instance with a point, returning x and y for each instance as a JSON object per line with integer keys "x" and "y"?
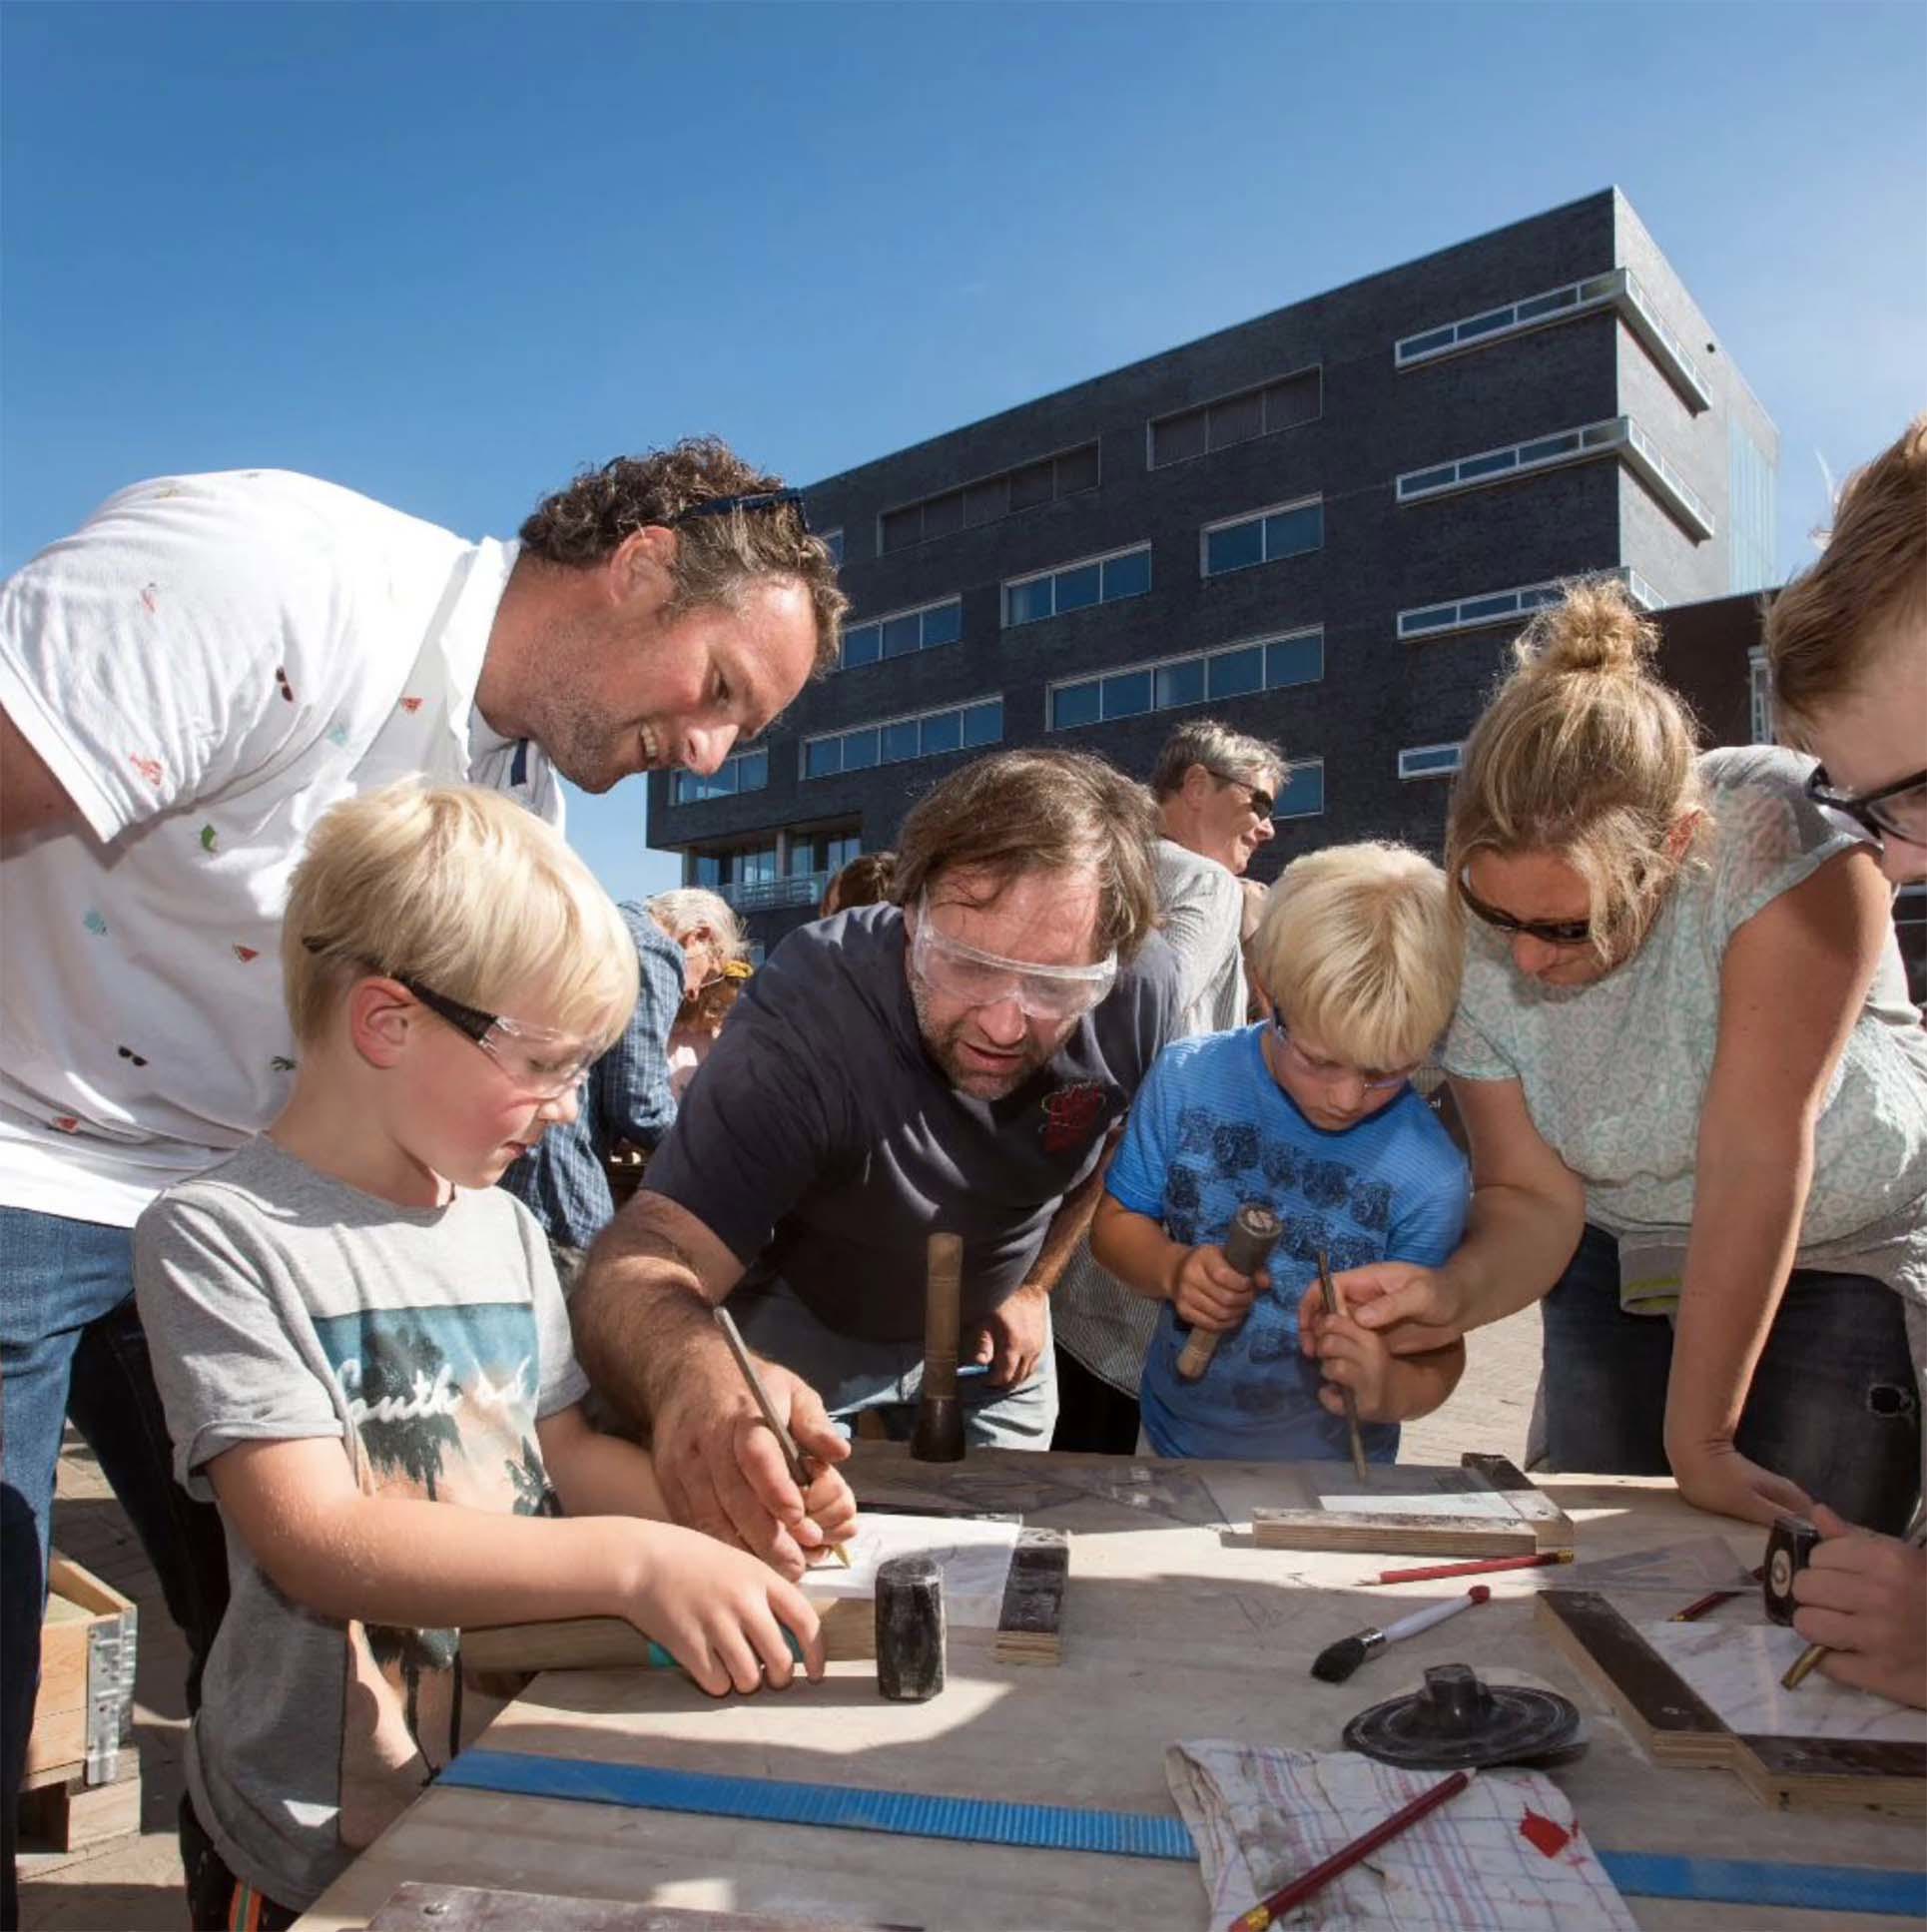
{"x": 976, "y": 979}
{"x": 539, "y": 1060}
{"x": 1331, "y": 1072}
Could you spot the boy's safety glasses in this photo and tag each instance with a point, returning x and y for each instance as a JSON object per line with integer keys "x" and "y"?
{"x": 541, "y": 1061}
{"x": 1896, "y": 811}
{"x": 1371, "y": 1079}
{"x": 961, "y": 973}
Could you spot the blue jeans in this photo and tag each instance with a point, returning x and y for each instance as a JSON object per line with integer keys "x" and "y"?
{"x": 71, "y": 1344}
{"x": 1833, "y": 1406}
{"x": 851, "y": 1375}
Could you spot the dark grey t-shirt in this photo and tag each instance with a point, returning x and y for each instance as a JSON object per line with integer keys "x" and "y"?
{"x": 823, "y": 1144}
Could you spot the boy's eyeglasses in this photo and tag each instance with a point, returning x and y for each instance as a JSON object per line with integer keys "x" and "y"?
{"x": 1262, "y": 801}
{"x": 762, "y": 499}
{"x": 1896, "y": 811}
{"x": 1549, "y": 931}
{"x": 542, "y": 1063}
{"x": 1370, "y": 1078}
{"x": 960, "y": 971}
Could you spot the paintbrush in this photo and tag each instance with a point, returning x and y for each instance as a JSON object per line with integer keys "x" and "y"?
{"x": 1336, "y": 1303}
{"x": 1336, "y": 1662}
{"x": 1288, "y": 1897}
{"x": 802, "y": 1469}
{"x": 1802, "y": 1666}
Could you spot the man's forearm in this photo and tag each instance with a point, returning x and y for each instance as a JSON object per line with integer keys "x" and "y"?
{"x": 642, "y": 1318}
{"x": 1069, "y": 1224}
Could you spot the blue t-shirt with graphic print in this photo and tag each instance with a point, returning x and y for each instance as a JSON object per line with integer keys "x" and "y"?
{"x": 1211, "y": 1129}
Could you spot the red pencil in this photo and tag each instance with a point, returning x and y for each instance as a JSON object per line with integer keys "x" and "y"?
{"x": 1480, "y": 1568}
{"x": 1315, "y": 1880}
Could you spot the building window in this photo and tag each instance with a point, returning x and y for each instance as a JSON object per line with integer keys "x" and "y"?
{"x": 902, "y": 632}
{"x": 1617, "y": 437}
{"x": 1076, "y": 586}
{"x": 746, "y": 771}
{"x": 1618, "y": 289}
{"x": 895, "y": 739}
{"x": 1505, "y": 606}
{"x": 1759, "y": 695}
{"x": 833, "y": 542}
{"x": 1261, "y": 412}
{"x": 1750, "y": 512}
{"x": 988, "y": 498}
{"x": 1201, "y": 677}
{"x": 1303, "y": 796}
{"x": 1430, "y": 761}
{"x": 1261, "y": 536}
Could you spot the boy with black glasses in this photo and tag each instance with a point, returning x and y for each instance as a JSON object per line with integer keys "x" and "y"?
{"x": 365, "y": 1359}
{"x": 1313, "y": 1114}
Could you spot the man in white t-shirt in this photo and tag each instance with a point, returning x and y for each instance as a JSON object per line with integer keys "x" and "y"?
{"x": 1214, "y": 789}
{"x": 187, "y": 683}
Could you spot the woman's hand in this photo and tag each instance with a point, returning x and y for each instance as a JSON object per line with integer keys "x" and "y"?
{"x": 1715, "y": 1475}
{"x": 1414, "y": 1309}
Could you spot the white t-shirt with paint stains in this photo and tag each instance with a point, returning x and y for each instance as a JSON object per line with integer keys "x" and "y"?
{"x": 207, "y": 666}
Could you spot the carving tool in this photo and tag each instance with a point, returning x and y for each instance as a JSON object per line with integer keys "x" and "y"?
{"x": 1804, "y": 1665}
{"x": 1289, "y": 1896}
{"x": 1336, "y": 1662}
{"x": 1336, "y": 1303}
{"x": 1247, "y": 1246}
{"x": 1485, "y": 1566}
{"x": 939, "y": 1436}
{"x": 803, "y": 1468}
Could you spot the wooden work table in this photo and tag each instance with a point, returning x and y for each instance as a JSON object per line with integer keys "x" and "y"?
{"x": 1174, "y": 1627}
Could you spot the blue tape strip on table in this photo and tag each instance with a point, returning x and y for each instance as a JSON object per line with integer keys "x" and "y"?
{"x": 1138, "y": 1834}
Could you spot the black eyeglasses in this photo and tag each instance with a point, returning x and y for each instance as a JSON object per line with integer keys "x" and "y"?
{"x": 765, "y": 499}
{"x": 1261, "y": 800}
{"x": 1549, "y": 931}
{"x": 1888, "y": 812}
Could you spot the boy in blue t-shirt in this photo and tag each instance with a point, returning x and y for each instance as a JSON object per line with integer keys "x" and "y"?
{"x": 1312, "y": 1113}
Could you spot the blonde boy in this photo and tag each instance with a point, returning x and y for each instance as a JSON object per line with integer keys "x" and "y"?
{"x": 1312, "y": 1112}
{"x": 366, "y": 1358}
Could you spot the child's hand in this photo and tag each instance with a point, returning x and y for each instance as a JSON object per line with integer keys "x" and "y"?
{"x": 1208, "y": 1293}
{"x": 1356, "y": 1358}
{"x": 721, "y": 1612}
{"x": 832, "y": 1506}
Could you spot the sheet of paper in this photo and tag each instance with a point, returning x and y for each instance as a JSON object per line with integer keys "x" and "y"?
{"x": 1485, "y": 1506}
{"x": 974, "y": 1552}
{"x": 1504, "y": 1855}
{"x": 1738, "y": 1671}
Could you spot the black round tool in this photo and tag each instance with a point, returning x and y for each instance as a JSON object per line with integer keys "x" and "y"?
{"x": 1457, "y": 1721}
{"x": 909, "y": 1629}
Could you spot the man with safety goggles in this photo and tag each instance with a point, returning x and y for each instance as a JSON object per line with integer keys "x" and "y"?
{"x": 953, "y": 1062}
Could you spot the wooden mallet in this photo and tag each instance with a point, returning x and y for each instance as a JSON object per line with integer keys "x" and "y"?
{"x": 1253, "y": 1234}
{"x": 940, "y": 1421}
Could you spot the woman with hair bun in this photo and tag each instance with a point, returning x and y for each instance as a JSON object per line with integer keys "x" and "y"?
{"x": 1695, "y": 1092}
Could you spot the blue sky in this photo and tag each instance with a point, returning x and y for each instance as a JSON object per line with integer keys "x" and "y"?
{"x": 447, "y": 254}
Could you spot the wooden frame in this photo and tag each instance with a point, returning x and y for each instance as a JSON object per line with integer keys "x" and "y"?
{"x": 1533, "y": 1522}
{"x": 1676, "y": 1726}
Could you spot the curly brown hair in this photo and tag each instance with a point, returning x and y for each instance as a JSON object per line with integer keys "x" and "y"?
{"x": 717, "y": 557}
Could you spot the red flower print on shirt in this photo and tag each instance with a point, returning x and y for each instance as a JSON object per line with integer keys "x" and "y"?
{"x": 149, "y": 768}
{"x": 411, "y": 705}
{"x": 281, "y": 680}
{"x": 1071, "y": 1116}
{"x": 66, "y": 1124}
{"x": 147, "y": 597}
{"x": 246, "y": 952}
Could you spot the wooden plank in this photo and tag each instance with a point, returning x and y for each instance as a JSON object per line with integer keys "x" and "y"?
{"x": 465, "y": 1908}
{"x": 67, "y": 1813}
{"x": 1550, "y": 1525}
{"x": 1505, "y": 1514}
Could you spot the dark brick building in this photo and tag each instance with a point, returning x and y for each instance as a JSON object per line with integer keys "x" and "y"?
{"x": 1323, "y": 526}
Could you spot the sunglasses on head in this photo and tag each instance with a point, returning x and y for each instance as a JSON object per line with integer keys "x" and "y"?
{"x": 762, "y": 499}
{"x": 1549, "y": 931}
{"x": 1896, "y": 811}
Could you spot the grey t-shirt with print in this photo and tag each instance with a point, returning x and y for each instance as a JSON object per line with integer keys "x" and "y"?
{"x": 280, "y": 1305}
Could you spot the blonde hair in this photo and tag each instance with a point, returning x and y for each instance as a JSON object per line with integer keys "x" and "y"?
{"x": 1362, "y": 946}
{"x": 1585, "y": 755}
{"x": 468, "y": 893}
{"x": 1822, "y": 629}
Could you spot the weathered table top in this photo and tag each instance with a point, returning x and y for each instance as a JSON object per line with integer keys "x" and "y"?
{"x": 1175, "y": 1626}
